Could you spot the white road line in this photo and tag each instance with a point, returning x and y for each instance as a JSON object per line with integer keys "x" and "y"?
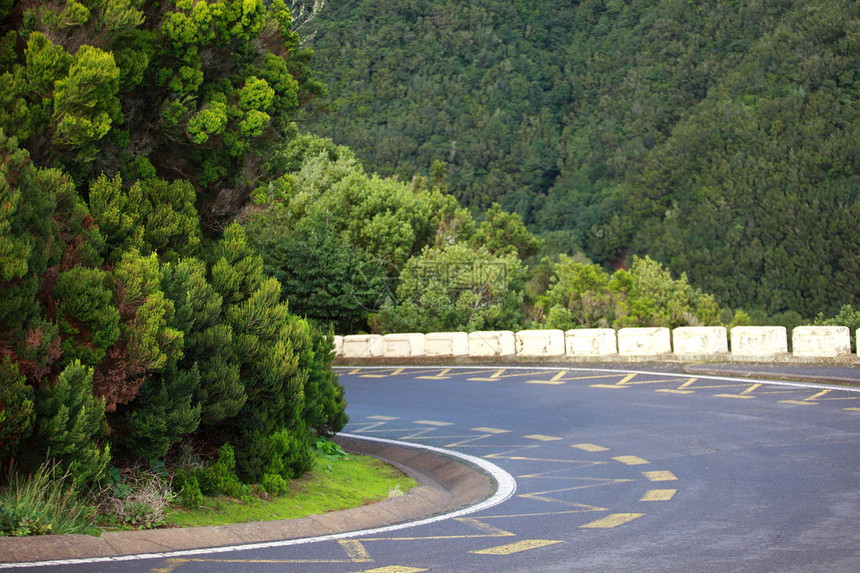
{"x": 796, "y": 384}
{"x": 506, "y": 486}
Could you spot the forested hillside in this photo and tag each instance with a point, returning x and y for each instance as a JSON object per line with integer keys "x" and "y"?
{"x": 719, "y": 137}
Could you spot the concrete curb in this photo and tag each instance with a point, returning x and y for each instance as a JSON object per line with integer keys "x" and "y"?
{"x": 445, "y": 484}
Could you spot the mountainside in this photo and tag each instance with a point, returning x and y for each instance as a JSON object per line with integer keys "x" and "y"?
{"x": 719, "y": 137}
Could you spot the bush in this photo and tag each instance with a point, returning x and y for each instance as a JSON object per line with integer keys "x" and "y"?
{"x": 274, "y": 484}
{"x": 187, "y": 489}
{"x": 43, "y": 502}
{"x": 219, "y": 478}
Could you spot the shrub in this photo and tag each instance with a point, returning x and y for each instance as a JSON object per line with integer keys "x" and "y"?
{"x": 274, "y": 484}
{"x": 43, "y": 502}
{"x": 220, "y": 477}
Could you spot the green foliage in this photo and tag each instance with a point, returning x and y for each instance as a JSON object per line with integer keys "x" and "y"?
{"x": 457, "y": 288}
{"x": 69, "y": 424}
{"x": 134, "y": 319}
{"x": 848, "y": 316}
{"x": 153, "y": 215}
{"x": 502, "y": 233}
{"x": 719, "y": 138}
{"x": 87, "y": 314}
{"x": 583, "y": 295}
{"x": 274, "y": 484}
{"x": 651, "y": 297}
{"x": 219, "y": 478}
{"x": 329, "y": 449}
{"x": 16, "y": 408}
{"x": 42, "y": 502}
{"x": 188, "y": 488}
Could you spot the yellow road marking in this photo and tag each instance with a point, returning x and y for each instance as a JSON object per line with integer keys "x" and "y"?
{"x": 490, "y": 430}
{"x": 542, "y": 438}
{"x": 493, "y": 377}
{"x": 630, "y": 460}
{"x": 392, "y": 373}
{"x": 557, "y": 379}
{"x": 672, "y": 391}
{"x": 853, "y": 409}
{"x": 433, "y": 423}
{"x": 613, "y": 520}
{"x": 386, "y": 418}
{"x": 590, "y": 447}
{"x": 607, "y": 386}
{"x": 578, "y": 463}
{"x": 355, "y": 550}
{"x": 660, "y": 476}
{"x": 478, "y": 524}
{"x": 173, "y": 563}
{"x": 798, "y": 402}
{"x": 169, "y": 566}
{"x": 393, "y": 569}
{"x": 580, "y": 507}
{"x": 658, "y": 495}
{"x": 440, "y": 376}
{"x": 743, "y": 394}
{"x": 510, "y": 548}
{"x": 489, "y": 531}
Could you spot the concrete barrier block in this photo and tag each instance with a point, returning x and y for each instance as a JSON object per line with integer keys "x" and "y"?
{"x": 698, "y": 340}
{"x": 403, "y": 345}
{"x": 540, "y": 343}
{"x": 338, "y": 345}
{"x": 446, "y": 344}
{"x": 759, "y": 340}
{"x": 492, "y": 343}
{"x": 363, "y": 346}
{"x": 820, "y": 340}
{"x": 591, "y": 342}
{"x": 644, "y": 341}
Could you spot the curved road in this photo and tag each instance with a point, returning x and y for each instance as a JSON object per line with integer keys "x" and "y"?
{"x": 615, "y": 471}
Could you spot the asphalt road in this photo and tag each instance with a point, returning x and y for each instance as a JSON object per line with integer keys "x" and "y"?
{"x": 615, "y": 471}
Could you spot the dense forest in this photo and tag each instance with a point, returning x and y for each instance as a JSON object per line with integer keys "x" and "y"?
{"x": 721, "y": 138}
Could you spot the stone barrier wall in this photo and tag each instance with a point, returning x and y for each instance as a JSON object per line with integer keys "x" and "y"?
{"x": 743, "y": 343}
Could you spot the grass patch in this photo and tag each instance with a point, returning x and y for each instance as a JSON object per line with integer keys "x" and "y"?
{"x": 42, "y": 503}
{"x": 332, "y": 485}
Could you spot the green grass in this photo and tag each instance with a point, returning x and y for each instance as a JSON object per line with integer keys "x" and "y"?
{"x": 44, "y": 502}
{"x": 332, "y": 485}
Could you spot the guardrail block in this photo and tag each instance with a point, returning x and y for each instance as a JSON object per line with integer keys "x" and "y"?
{"x": 403, "y": 345}
{"x": 363, "y": 346}
{"x": 699, "y": 340}
{"x": 492, "y": 343}
{"x": 591, "y": 342}
{"x": 540, "y": 343}
{"x": 759, "y": 340}
{"x": 820, "y": 340}
{"x": 338, "y": 345}
{"x": 446, "y": 344}
{"x": 644, "y": 341}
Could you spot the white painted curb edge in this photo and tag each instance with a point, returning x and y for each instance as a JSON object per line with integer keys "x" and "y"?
{"x": 506, "y": 486}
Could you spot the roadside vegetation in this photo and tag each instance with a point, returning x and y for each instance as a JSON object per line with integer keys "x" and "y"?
{"x": 154, "y": 496}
